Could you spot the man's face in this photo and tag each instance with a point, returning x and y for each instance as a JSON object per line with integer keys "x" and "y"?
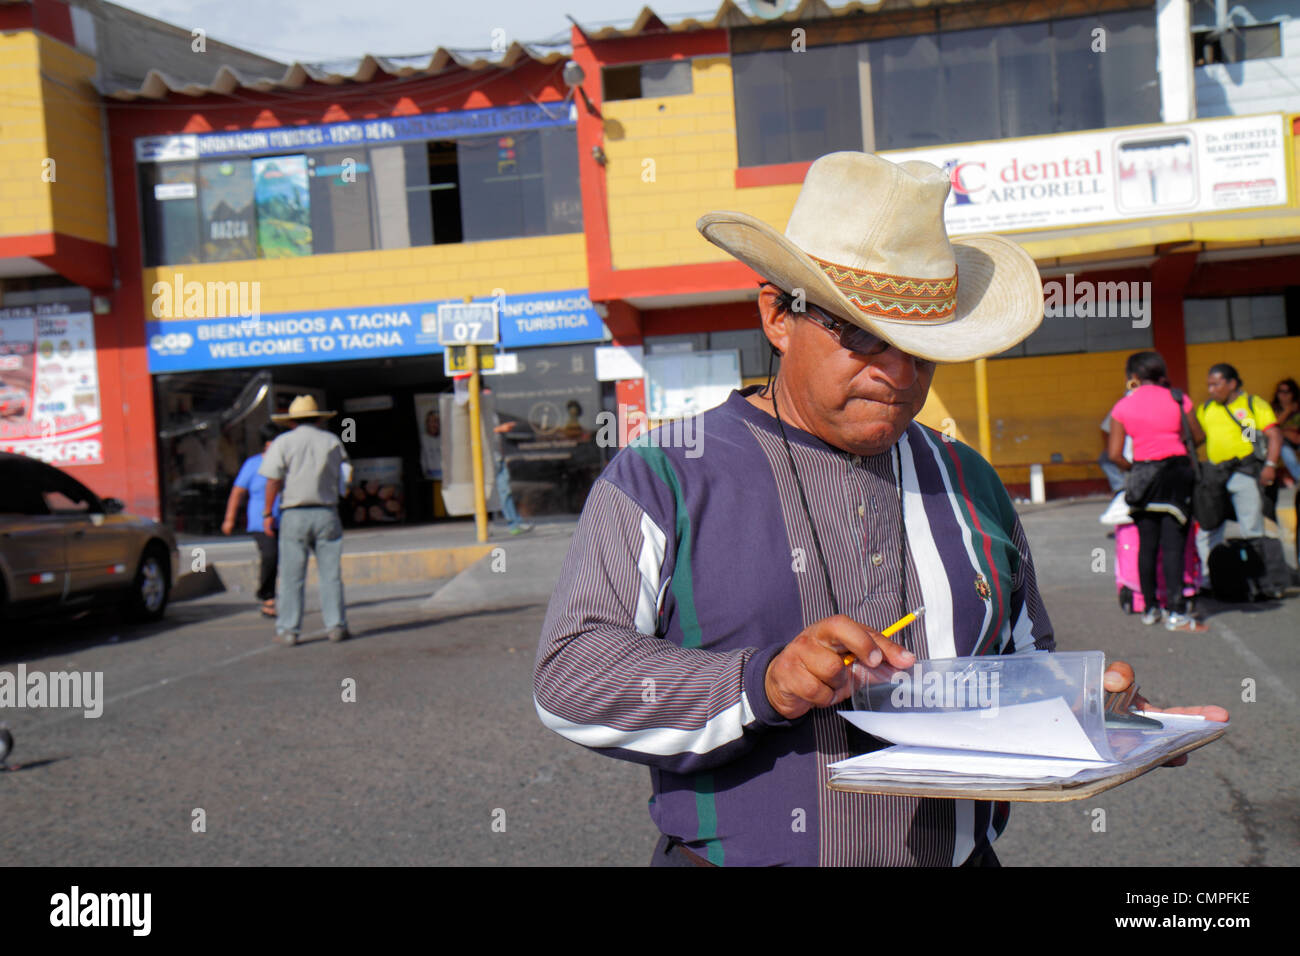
{"x": 859, "y": 403}
{"x": 1220, "y": 388}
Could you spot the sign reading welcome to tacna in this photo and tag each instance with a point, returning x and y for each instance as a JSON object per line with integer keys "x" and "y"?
{"x": 191, "y": 337}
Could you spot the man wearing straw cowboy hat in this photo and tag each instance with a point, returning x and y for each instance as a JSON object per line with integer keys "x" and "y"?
{"x": 706, "y": 602}
{"x": 307, "y": 462}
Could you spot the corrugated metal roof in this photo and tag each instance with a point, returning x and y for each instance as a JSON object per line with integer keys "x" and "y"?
{"x": 732, "y": 14}
{"x": 157, "y": 84}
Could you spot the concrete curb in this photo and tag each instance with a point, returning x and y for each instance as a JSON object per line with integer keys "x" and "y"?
{"x": 360, "y": 569}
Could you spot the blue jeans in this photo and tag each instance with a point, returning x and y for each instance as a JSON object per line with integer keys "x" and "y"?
{"x": 1291, "y": 461}
{"x": 302, "y": 530}
{"x": 508, "y": 510}
{"x": 1112, "y": 473}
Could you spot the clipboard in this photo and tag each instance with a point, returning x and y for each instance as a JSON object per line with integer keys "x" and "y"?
{"x": 1055, "y": 792}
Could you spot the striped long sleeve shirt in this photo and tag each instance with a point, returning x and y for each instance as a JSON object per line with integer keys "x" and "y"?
{"x": 692, "y": 567}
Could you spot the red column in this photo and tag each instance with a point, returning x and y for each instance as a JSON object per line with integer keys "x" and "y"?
{"x": 1170, "y": 276}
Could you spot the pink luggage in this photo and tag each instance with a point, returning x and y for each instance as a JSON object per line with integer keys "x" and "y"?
{"x": 1129, "y": 584}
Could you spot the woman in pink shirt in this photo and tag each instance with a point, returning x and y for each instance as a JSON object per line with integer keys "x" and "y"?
{"x": 1160, "y": 480}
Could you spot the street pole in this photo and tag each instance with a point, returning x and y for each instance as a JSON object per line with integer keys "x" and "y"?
{"x": 476, "y": 441}
{"x": 982, "y": 408}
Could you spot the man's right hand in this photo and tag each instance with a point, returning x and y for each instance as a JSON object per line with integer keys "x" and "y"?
{"x": 810, "y": 671}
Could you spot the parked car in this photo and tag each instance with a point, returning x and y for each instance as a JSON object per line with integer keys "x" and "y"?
{"x": 61, "y": 546}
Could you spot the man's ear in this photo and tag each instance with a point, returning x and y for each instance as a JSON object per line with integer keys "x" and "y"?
{"x": 775, "y": 320}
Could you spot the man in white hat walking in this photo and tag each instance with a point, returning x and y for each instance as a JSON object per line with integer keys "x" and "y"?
{"x": 307, "y": 462}
{"x": 708, "y": 600}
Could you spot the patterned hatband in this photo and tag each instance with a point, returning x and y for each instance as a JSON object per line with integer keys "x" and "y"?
{"x": 894, "y": 297}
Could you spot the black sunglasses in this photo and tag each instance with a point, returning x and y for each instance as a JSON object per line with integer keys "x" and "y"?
{"x": 851, "y": 337}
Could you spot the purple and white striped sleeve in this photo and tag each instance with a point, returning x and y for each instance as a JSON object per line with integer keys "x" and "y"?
{"x": 604, "y": 677}
{"x": 1031, "y": 629}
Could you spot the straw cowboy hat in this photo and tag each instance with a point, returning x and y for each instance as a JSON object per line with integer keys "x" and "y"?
{"x": 304, "y": 406}
{"x": 867, "y": 243}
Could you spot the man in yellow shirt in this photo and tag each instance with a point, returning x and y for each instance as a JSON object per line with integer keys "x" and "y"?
{"x": 1231, "y": 420}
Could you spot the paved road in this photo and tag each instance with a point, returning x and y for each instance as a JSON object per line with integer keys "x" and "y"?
{"x": 441, "y": 760}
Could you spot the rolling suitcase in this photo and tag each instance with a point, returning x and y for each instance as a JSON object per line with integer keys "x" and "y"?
{"x": 1127, "y": 580}
{"x": 1248, "y": 569}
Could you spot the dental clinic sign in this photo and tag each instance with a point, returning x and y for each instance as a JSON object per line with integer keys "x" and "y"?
{"x": 233, "y": 339}
{"x": 1143, "y": 172}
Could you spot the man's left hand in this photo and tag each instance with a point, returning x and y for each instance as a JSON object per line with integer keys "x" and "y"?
{"x": 1119, "y": 676}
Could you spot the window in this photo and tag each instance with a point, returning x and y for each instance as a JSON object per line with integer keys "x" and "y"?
{"x": 348, "y": 200}
{"x": 647, "y": 80}
{"x": 1234, "y": 319}
{"x": 955, "y": 86}
{"x": 520, "y": 184}
{"x": 1259, "y": 42}
{"x": 171, "y": 213}
{"x": 796, "y": 106}
{"x": 339, "y": 193}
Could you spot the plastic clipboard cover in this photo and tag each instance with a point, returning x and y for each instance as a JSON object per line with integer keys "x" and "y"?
{"x": 995, "y": 681}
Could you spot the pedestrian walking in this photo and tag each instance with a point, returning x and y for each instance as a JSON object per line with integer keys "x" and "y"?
{"x": 249, "y": 494}
{"x": 308, "y": 463}
{"x": 508, "y": 510}
{"x": 1160, "y": 481}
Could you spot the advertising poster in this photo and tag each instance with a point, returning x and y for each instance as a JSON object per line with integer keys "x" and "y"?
{"x": 49, "y": 386}
{"x": 283, "y": 202}
{"x": 229, "y": 227}
{"x": 376, "y": 496}
{"x": 1110, "y": 175}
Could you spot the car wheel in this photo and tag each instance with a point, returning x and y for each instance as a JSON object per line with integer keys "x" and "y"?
{"x": 149, "y": 591}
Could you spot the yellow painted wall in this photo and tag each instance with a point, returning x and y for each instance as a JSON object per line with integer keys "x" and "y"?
{"x": 74, "y": 133}
{"x": 1261, "y": 363}
{"x": 24, "y": 198}
{"x": 1054, "y": 403}
{"x": 691, "y": 140}
{"x": 50, "y": 110}
{"x": 390, "y": 276}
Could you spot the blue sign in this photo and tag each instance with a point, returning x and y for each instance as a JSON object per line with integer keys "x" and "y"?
{"x": 341, "y": 335}
{"x": 393, "y": 129}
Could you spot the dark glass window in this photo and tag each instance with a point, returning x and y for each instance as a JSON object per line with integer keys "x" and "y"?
{"x": 340, "y": 201}
{"x": 171, "y": 213}
{"x": 950, "y": 87}
{"x": 645, "y": 80}
{"x": 519, "y": 184}
{"x": 795, "y": 106}
{"x": 348, "y": 200}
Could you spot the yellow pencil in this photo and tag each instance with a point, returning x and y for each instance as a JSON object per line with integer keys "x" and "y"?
{"x": 893, "y": 629}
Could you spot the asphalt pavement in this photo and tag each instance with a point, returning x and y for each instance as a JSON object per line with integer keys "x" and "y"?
{"x": 417, "y": 743}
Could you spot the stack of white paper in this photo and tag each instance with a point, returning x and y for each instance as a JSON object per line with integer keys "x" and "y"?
{"x": 1033, "y": 745}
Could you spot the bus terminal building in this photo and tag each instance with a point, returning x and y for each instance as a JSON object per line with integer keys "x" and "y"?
{"x": 190, "y": 239}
